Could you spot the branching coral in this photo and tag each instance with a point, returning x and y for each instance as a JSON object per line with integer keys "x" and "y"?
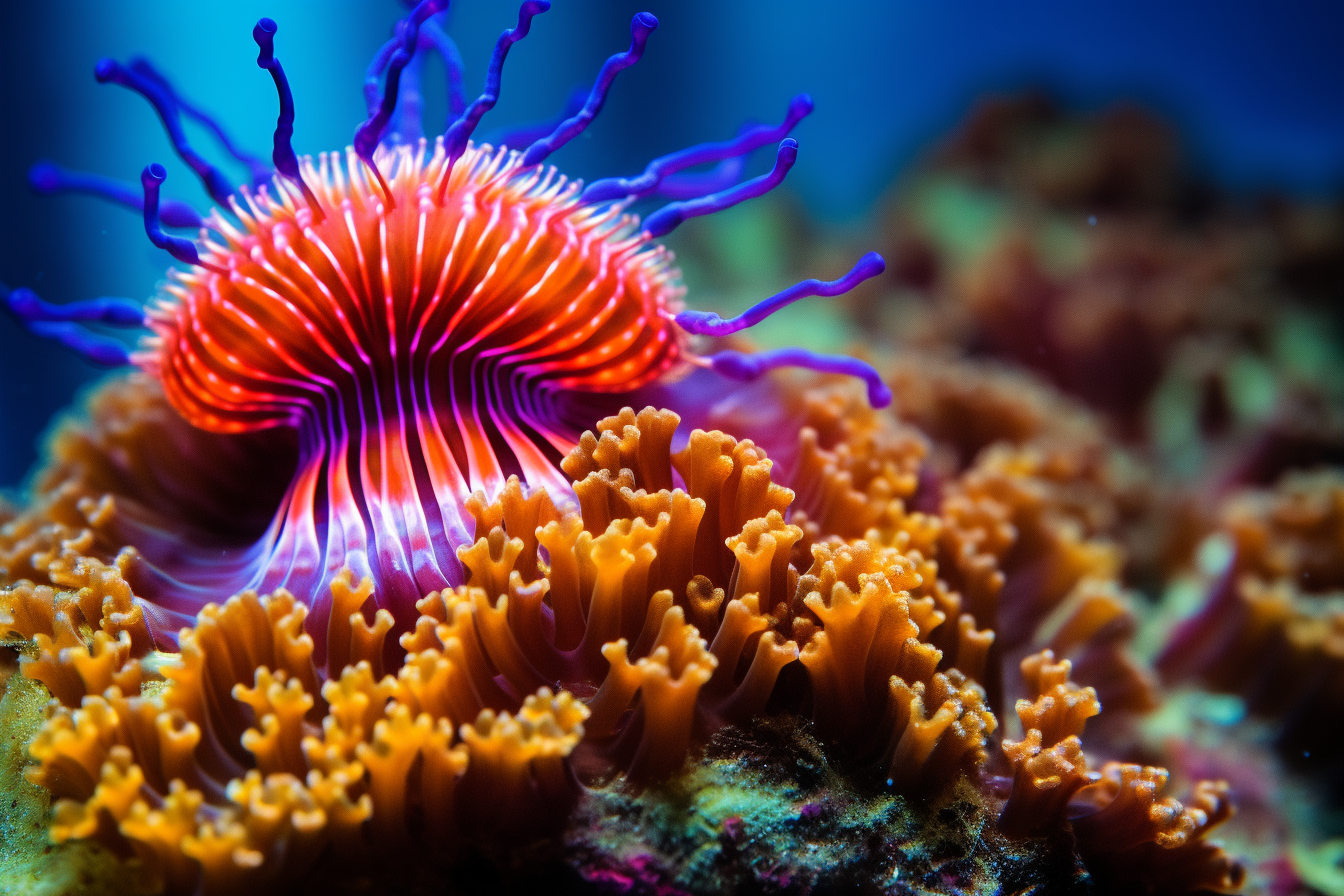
{"x": 966, "y": 407}
{"x": 133, "y": 472}
{"x": 461, "y": 615}
{"x": 612, "y": 635}
{"x": 1023, "y": 541}
{"x": 1020, "y": 549}
{"x": 1130, "y": 837}
{"x": 1136, "y": 840}
{"x": 1189, "y": 322}
{"x": 1048, "y": 763}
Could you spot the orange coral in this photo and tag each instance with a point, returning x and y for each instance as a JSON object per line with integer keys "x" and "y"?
{"x": 661, "y": 607}
{"x": 245, "y": 764}
{"x": 633, "y": 589}
{"x": 85, "y": 634}
{"x": 851, "y": 464}
{"x": 669, "y": 601}
{"x": 850, "y": 467}
{"x": 1135, "y": 840}
{"x": 966, "y": 407}
{"x": 1048, "y": 763}
{"x": 1130, "y": 837}
{"x": 134, "y": 472}
{"x": 1020, "y": 548}
{"x": 866, "y": 661}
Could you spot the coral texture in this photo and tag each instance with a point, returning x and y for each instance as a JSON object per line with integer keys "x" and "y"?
{"x": 371, "y": 577}
{"x": 611, "y": 637}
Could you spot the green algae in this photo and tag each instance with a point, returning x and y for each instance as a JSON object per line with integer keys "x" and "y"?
{"x": 965, "y": 221}
{"x": 30, "y": 865}
{"x": 764, "y": 810}
{"x": 1321, "y": 866}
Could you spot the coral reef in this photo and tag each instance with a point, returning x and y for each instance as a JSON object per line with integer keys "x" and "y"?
{"x": 423, "y": 319}
{"x": 370, "y": 576}
{"x": 589, "y": 650}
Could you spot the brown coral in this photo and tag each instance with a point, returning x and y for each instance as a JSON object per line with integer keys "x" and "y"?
{"x": 1048, "y": 763}
{"x": 866, "y": 660}
{"x": 670, "y": 601}
{"x": 628, "y": 627}
{"x": 1272, "y": 628}
{"x": 1022, "y": 551}
{"x": 132, "y": 472}
{"x": 1130, "y": 837}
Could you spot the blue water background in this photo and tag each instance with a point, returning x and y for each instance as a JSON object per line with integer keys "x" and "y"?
{"x": 1257, "y": 90}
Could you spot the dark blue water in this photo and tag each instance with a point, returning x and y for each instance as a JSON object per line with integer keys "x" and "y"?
{"x": 1257, "y": 89}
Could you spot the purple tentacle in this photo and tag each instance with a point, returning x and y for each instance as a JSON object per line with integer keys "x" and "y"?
{"x": 59, "y": 323}
{"x": 640, "y": 28}
{"x": 258, "y": 168}
{"x": 748, "y": 139}
{"x": 286, "y": 162}
{"x": 182, "y": 249}
{"x": 694, "y": 185}
{"x": 406, "y": 126}
{"x": 105, "y": 310}
{"x": 373, "y": 74}
{"x": 667, "y": 218}
{"x": 368, "y": 134}
{"x": 741, "y": 366}
{"x": 707, "y": 323}
{"x": 431, "y": 35}
{"x": 459, "y": 133}
{"x": 166, "y": 104}
{"x": 50, "y": 179}
{"x": 405, "y": 123}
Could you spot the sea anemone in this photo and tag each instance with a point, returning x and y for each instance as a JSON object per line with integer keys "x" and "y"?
{"x": 424, "y": 319}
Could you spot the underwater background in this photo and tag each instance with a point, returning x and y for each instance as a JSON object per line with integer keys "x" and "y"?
{"x": 1255, "y": 90}
{"x": 1111, "y": 313}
